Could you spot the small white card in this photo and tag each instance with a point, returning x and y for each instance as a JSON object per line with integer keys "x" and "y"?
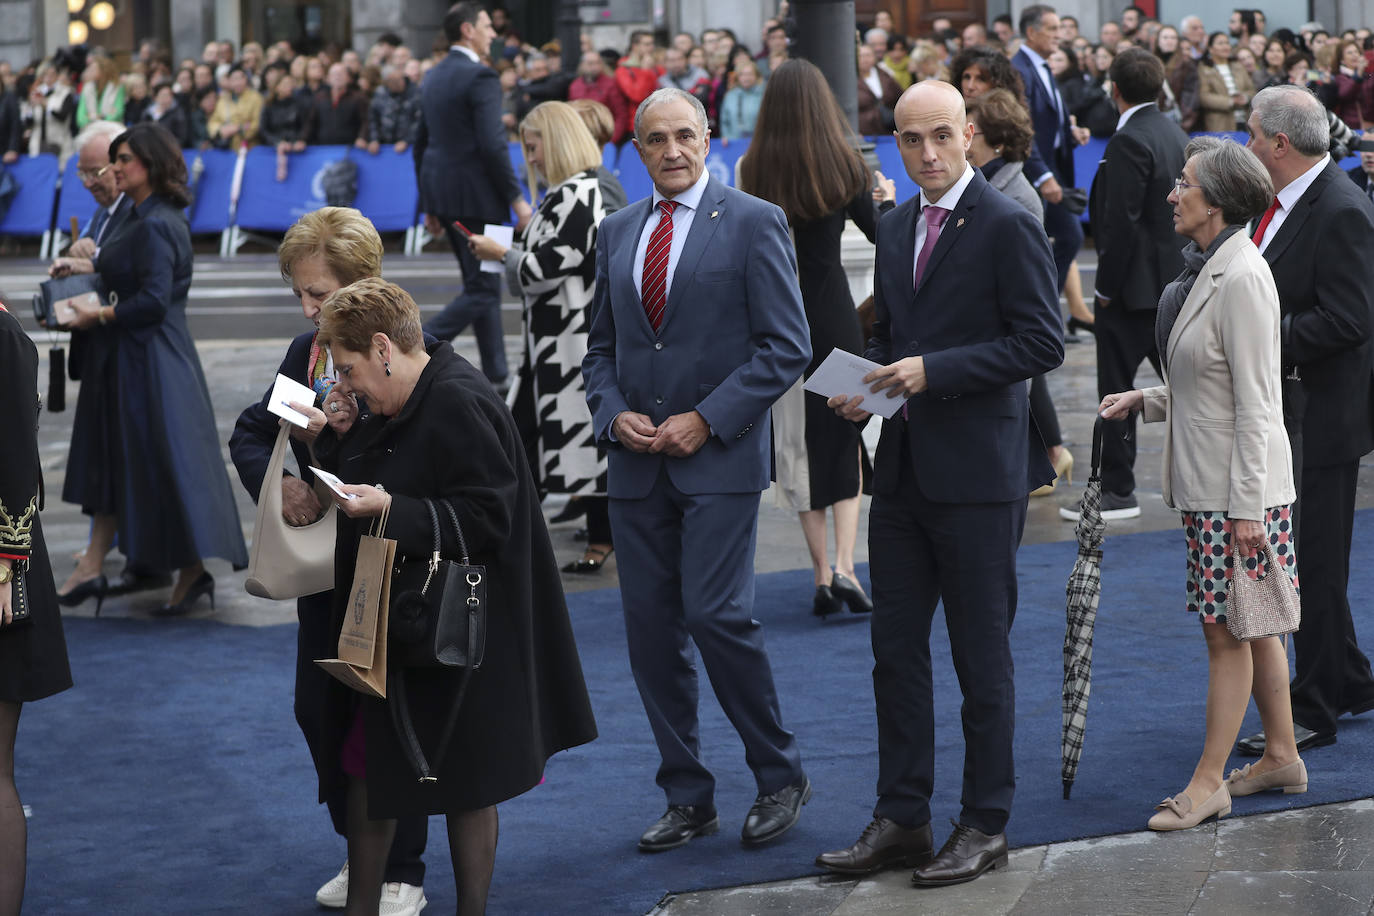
{"x": 842, "y": 373}
{"x": 503, "y": 234}
{"x": 285, "y": 391}
{"x": 332, "y": 482}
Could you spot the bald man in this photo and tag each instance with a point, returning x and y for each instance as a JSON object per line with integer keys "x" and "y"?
{"x": 958, "y": 343}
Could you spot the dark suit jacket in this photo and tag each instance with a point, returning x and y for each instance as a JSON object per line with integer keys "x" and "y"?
{"x": 1138, "y": 251}
{"x": 92, "y": 347}
{"x": 733, "y": 340}
{"x": 1322, "y": 267}
{"x": 1047, "y": 122}
{"x": 462, "y": 162}
{"x": 982, "y": 334}
{"x": 1360, "y": 177}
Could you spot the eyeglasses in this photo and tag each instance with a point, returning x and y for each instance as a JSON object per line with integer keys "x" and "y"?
{"x": 1180, "y": 185}
{"x": 89, "y": 175}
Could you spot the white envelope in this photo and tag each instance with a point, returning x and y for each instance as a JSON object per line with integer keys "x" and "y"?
{"x": 503, "y": 234}
{"x": 842, "y": 373}
{"x": 285, "y": 391}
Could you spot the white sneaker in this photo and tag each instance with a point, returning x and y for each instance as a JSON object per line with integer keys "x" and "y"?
{"x": 401, "y": 899}
{"x": 334, "y": 893}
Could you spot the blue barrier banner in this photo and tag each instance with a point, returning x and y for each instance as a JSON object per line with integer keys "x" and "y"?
{"x": 211, "y": 184}
{"x": 387, "y": 192}
{"x": 30, "y": 212}
{"x": 73, "y": 200}
{"x": 271, "y": 205}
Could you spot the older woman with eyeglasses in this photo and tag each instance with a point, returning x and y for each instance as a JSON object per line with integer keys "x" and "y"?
{"x": 1227, "y": 464}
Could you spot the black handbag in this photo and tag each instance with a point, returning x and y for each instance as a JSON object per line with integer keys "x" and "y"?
{"x": 437, "y": 619}
{"x": 19, "y": 597}
{"x": 52, "y": 302}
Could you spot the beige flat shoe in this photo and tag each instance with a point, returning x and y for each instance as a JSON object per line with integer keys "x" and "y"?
{"x": 1178, "y": 813}
{"x": 1291, "y": 778}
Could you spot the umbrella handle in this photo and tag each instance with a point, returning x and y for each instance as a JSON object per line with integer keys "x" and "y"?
{"x": 1097, "y": 447}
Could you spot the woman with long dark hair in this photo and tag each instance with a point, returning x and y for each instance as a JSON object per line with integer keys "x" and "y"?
{"x": 173, "y": 501}
{"x": 802, "y": 158}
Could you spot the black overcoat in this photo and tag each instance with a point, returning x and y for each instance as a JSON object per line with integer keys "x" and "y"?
{"x": 455, "y": 438}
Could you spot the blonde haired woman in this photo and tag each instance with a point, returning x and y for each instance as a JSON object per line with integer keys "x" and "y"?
{"x": 555, "y": 270}
{"x": 102, "y": 95}
{"x": 323, "y": 252}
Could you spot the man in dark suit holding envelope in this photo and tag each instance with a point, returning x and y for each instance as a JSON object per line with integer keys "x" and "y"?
{"x": 959, "y": 342}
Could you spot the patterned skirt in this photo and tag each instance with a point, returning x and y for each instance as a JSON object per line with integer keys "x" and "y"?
{"x": 1210, "y": 560}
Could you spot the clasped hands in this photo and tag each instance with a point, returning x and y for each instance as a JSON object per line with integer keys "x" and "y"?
{"x": 679, "y": 436}
{"x": 902, "y": 379}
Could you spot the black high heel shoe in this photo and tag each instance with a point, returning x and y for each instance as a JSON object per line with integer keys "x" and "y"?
{"x": 848, "y": 591}
{"x": 587, "y": 565}
{"x": 574, "y": 509}
{"x": 1077, "y": 324}
{"x": 99, "y": 587}
{"x": 204, "y": 585}
{"x": 825, "y": 603}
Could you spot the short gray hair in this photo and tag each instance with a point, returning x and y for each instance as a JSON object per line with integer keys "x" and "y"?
{"x": 1295, "y": 112}
{"x": 670, "y": 94}
{"x": 102, "y": 131}
{"x": 1183, "y": 23}
{"x": 875, "y": 31}
{"x": 1231, "y": 178}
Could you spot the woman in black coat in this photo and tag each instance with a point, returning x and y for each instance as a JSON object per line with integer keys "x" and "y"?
{"x": 438, "y": 429}
{"x": 33, "y": 655}
{"x": 173, "y": 500}
{"x": 324, "y": 251}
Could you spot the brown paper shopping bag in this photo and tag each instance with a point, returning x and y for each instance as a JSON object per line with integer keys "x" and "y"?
{"x": 362, "y": 641}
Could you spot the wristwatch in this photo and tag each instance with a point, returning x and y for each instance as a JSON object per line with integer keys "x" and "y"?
{"x": 6, "y": 574}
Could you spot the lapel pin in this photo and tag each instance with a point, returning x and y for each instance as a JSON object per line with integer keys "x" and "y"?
{"x": 715, "y": 213}
{"x": 960, "y": 224}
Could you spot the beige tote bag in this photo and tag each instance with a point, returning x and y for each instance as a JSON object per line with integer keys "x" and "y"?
{"x": 289, "y": 562}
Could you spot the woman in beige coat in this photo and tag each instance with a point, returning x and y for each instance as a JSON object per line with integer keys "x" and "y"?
{"x": 1224, "y": 88}
{"x": 1227, "y": 465}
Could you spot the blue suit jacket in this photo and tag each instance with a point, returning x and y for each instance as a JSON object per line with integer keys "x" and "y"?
{"x": 1047, "y": 122}
{"x": 985, "y": 319}
{"x": 734, "y": 338}
{"x": 462, "y": 162}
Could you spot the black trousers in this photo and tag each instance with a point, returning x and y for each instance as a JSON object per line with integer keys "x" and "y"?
{"x": 323, "y": 714}
{"x": 919, "y": 553}
{"x": 1125, "y": 339}
{"x": 1333, "y": 675}
{"x": 479, "y": 304}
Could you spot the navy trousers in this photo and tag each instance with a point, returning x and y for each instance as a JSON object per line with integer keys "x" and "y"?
{"x": 479, "y": 305}
{"x": 687, "y": 573}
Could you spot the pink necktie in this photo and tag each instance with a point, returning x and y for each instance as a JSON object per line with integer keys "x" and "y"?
{"x": 935, "y": 219}
{"x": 653, "y": 285}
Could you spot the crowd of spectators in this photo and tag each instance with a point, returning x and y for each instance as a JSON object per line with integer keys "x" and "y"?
{"x": 278, "y": 97}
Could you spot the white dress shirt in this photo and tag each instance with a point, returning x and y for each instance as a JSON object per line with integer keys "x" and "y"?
{"x": 948, "y": 201}
{"x": 687, "y": 203}
{"x": 468, "y": 51}
{"x": 1126, "y": 115}
{"x": 1288, "y": 197}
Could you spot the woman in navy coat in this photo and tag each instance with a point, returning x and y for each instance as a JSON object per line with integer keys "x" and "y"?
{"x": 173, "y": 499}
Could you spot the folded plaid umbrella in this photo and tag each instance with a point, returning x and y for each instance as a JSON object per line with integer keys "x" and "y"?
{"x": 1083, "y": 590}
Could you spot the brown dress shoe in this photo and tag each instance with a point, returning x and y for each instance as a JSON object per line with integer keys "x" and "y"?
{"x": 883, "y": 844}
{"x": 966, "y": 855}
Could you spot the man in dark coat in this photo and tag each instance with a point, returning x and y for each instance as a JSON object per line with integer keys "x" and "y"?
{"x": 1317, "y": 238}
{"x": 1138, "y": 252}
{"x": 950, "y": 483}
{"x": 1363, "y": 174}
{"x": 464, "y": 172}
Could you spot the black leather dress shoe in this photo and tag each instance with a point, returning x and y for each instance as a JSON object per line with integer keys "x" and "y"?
{"x": 775, "y": 814}
{"x": 966, "y": 855}
{"x": 678, "y": 825}
{"x": 1360, "y": 706}
{"x": 1307, "y": 739}
{"x": 883, "y": 844}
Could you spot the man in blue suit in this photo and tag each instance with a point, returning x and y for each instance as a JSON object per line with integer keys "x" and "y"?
{"x": 462, "y": 164}
{"x": 686, "y": 353}
{"x": 1055, "y": 138}
{"x": 953, "y": 470}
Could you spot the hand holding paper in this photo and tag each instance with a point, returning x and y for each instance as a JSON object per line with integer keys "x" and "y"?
{"x": 842, "y": 374}
{"x": 332, "y": 482}
{"x": 285, "y": 391}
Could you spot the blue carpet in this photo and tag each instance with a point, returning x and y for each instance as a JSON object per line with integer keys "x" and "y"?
{"x": 173, "y": 779}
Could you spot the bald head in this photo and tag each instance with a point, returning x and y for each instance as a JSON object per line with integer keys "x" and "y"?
{"x": 933, "y": 135}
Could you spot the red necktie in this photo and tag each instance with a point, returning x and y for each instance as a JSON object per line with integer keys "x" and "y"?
{"x": 653, "y": 284}
{"x": 1264, "y": 222}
